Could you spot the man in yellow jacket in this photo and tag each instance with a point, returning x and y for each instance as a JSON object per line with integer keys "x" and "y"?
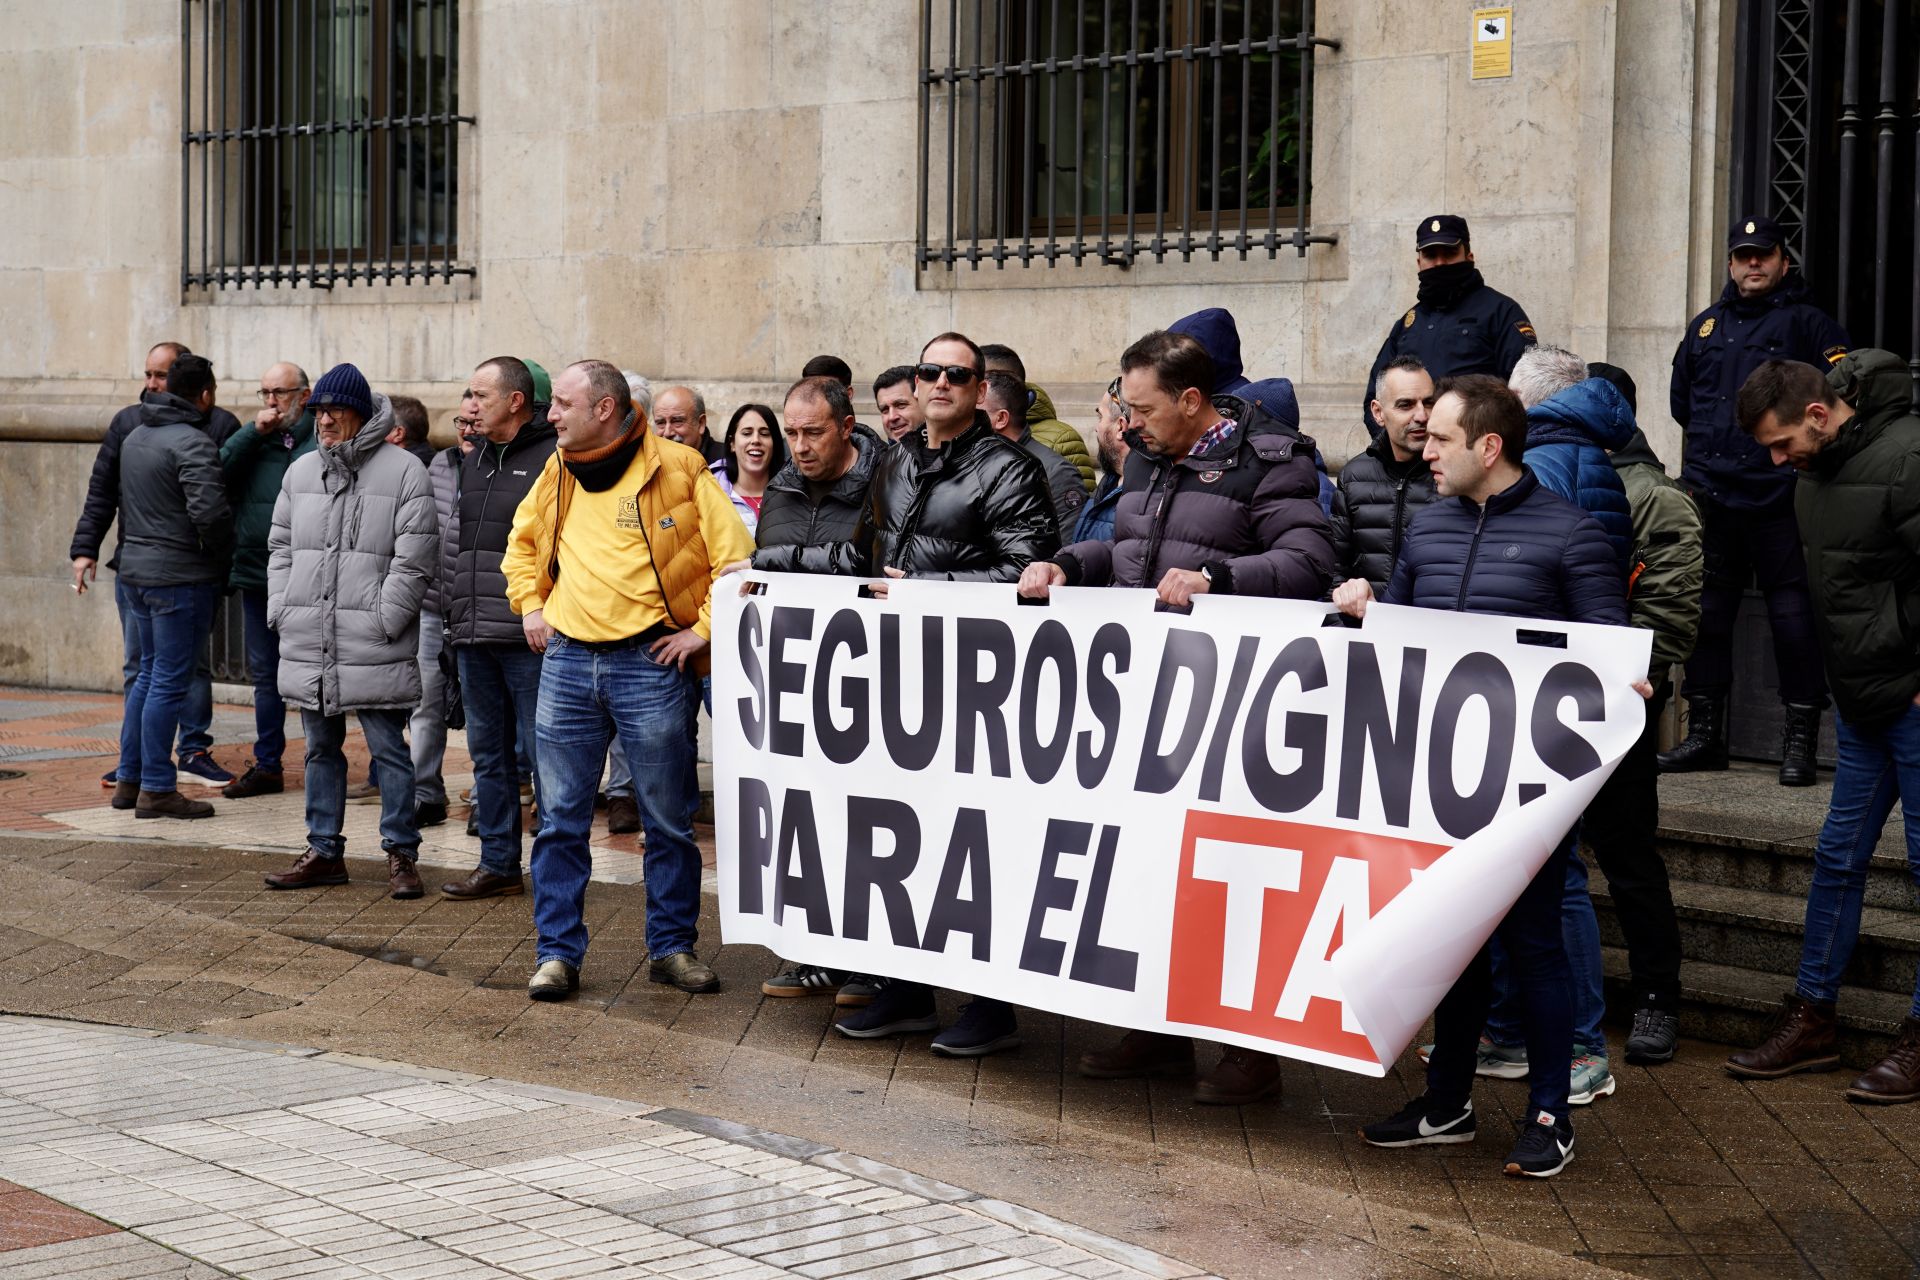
{"x": 610, "y": 566}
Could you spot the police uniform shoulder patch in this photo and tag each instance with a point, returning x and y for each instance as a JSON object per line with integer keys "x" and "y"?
{"x": 1408, "y": 322}
{"x": 1834, "y": 354}
{"x": 1526, "y": 331}
{"x": 1706, "y": 327}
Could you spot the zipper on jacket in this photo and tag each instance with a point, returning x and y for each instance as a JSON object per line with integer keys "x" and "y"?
{"x": 1473, "y": 553}
{"x": 1169, "y": 478}
{"x": 1399, "y": 518}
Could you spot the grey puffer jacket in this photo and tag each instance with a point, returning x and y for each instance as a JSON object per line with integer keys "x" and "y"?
{"x": 350, "y": 558}
{"x": 444, "y": 474}
{"x": 176, "y": 528}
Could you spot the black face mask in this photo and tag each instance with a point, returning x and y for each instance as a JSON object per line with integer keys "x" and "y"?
{"x": 1442, "y": 286}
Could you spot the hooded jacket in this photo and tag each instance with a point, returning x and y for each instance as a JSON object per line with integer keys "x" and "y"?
{"x": 349, "y": 561}
{"x": 255, "y": 465}
{"x": 175, "y": 526}
{"x": 1044, "y": 421}
{"x": 1663, "y": 594}
{"x": 1214, "y": 329}
{"x": 1377, "y": 500}
{"x": 1246, "y": 511}
{"x": 103, "y": 485}
{"x": 834, "y": 535}
{"x": 975, "y": 510}
{"x": 1528, "y": 553}
{"x": 490, "y": 484}
{"x": 1569, "y": 436}
{"x": 1858, "y": 507}
{"x": 1723, "y": 345}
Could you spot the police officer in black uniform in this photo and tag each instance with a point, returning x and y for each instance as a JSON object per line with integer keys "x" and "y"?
{"x": 1746, "y": 503}
{"x": 1458, "y": 325}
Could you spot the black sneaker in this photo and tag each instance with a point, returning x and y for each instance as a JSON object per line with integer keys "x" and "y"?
{"x": 1415, "y": 1125}
{"x": 202, "y": 765}
{"x": 983, "y": 1027}
{"x": 255, "y": 782}
{"x": 858, "y": 990}
{"x": 803, "y": 980}
{"x": 1544, "y": 1148}
{"x": 429, "y": 814}
{"x": 901, "y": 1008}
{"x": 1655, "y": 1035}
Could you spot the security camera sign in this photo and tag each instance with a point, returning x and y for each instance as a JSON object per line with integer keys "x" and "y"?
{"x": 1492, "y": 44}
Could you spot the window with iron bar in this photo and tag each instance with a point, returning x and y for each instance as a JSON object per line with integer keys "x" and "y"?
{"x": 320, "y": 142}
{"x": 1115, "y": 129}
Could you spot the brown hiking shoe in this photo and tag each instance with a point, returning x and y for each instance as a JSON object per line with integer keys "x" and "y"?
{"x": 1140, "y": 1053}
{"x": 310, "y": 871}
{"x": 482, "y": 883}
{"x": 125, "y": 794}
{"x": 403, "y": 880}
{"x": 1896, "y": 1077}
{"x": 1803, "y": 1039}
{"x": 623, "y": 816}
{"x": 1244, "y": 1075}
{"x": 168, "y": 804}
{"x": 255, "y": 782}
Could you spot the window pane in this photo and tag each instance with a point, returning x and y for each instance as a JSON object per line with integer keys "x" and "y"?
{"x": 422, "y": 84}
{"x": 1085, "y": 159}
{"x": 1245, "y": 115}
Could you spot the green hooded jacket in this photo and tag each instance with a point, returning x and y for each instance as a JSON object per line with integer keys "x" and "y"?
{"x": 1666, "y": 564}
{"x": 254, "y": 466}
{"x": 1858, "y": 504}
{"x": 1044, "y": 422}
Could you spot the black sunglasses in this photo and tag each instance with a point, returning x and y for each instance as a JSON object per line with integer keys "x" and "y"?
{"x": 958, "y": 375}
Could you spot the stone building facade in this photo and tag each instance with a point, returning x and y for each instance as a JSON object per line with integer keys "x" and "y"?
{"x": 713, "y": 191}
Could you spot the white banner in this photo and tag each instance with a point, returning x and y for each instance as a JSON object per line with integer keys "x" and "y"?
{"x": 1249, "y": 824}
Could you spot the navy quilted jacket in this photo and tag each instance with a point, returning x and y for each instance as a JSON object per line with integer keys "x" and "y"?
{"x": 1527, "y": 554}
{"x": 1568, "y": 439}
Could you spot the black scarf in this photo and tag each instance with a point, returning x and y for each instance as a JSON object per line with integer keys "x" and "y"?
{"x": 600, "y": 469}
{"x": 1443, "y": 286}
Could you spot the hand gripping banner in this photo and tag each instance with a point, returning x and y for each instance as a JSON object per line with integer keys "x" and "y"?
{"x": 1249, "y": 823}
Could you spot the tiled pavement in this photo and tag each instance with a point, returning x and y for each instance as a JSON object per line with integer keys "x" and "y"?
{"x": 1684, "y": 1172}
{"x": 275, "y": 1164}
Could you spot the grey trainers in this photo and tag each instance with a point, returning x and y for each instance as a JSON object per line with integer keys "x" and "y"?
{"x": 1655, "y": 1036}
{"x": 1591, "y": 1077}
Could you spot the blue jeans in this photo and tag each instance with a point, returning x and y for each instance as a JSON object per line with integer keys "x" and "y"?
{"x": 386, "y": 732}
{"x": 586, "y": 694}
{"x": 263, "y": 661}
{"x": 196, "y": 709}
{"x": 427, "y": 729}
{"x": 1581, "y": 929}
{"x": 1877, "y": 766}
{"x": 1536, "y": 950}
{"x": 172, "y": 624}
{"x": 501, "y": 685}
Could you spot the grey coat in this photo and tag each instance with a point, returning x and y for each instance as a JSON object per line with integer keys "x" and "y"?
{"x": 444, "y": 472}
{"x": 350, "y": 559}
{"x": 176, "y": 528}
{"x": 1063, "y": 482}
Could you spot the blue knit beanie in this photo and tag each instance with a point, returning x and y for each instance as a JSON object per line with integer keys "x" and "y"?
{"x": 343, "y": 385}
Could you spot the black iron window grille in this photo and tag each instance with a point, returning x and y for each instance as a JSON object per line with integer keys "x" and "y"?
{"x": 1115, "y": 129}
{"x": 319, "y": 142}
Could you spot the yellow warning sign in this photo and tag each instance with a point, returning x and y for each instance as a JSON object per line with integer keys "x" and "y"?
{"x": 1492, "y": 43}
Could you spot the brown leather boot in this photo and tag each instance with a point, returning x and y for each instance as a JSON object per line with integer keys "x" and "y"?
{"x": 1140, "y": 1053}
{"x": 482, "y": 883}
{"x": 126, "y": 793}
{"x": 168, "y": 804}
{"x": 1803, "y": 1039}
{"x": 403, "y": 880}
{"x": 310, "y": 871}
{"x": 1896, "y": 1077}
{"x": 1244, "y": 1075}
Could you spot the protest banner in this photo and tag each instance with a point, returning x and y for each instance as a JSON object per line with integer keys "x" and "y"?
{"x": 1248, "y": 823}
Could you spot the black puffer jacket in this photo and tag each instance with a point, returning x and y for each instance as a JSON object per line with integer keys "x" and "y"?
{"x": 1375, "y": 501}
{"x": 1858, "y": 507}
{"x": 795, "y": 536}
{"x": 1529, "y": 553}
{"x": 1247, "y": 510}
{"x": 977, "y": 510}
{"x": 103, "y": 486}
{"x": 492, "y": 481}
{"x": 175, "y": 525}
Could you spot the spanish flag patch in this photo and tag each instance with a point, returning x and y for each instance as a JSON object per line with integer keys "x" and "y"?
{"x": 1833, "y": 354}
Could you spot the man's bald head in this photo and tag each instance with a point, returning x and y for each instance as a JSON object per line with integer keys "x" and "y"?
{"x": 680, "y": 413}
{"x": 284, "y": 386}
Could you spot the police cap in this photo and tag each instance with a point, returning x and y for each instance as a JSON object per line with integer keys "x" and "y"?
{"x": 1441, "y": 228}
{"x": 1759, "y": 232}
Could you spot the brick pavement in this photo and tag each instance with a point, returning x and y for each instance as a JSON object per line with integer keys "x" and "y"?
{"x": 1685, "y": 1172}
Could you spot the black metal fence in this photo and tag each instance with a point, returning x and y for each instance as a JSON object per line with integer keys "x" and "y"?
{"x": 1115, "y": 129}
{"x": 319, "y": 142}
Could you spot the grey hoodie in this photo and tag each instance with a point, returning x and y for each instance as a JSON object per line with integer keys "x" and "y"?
{"x": 176, "y": 528}
{"x": 350, "y": 558}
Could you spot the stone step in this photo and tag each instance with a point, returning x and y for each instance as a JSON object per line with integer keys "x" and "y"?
{"x": 1736, "y": 1007}
{"x": 1755, "y": 930}
{"x": 1777, "y": 866}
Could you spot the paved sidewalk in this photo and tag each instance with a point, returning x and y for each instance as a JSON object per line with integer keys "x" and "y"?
{"x": 282, "y": 1163}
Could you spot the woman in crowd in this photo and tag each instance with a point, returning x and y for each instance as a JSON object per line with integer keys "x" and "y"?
{"x": 755, "y": 452}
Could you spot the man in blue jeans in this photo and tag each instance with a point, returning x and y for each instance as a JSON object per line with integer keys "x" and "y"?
{"x": 611, "y": 567}
{"x": 499, "y": 671}
{"x": 1556, "y": 564}
{"x": 1850, "y": 434}
{"x": 176, "y": 535}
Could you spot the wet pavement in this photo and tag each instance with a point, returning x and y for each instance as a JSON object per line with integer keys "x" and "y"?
{"x": 1683, "y": 1172}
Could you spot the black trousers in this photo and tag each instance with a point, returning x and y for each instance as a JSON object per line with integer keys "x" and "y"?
{"x": 1763, "y": 547}
{"x": 1619, "y": 828}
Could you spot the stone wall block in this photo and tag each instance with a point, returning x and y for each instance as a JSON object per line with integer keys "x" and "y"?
{"x": 130, "y": 102}
{"x": 744, "y": 178}
{"x": 858, "y": 302}
{"x": 720, "y": 56}
{"x": 868, "y": 159}
{"x": 532, "y": 69}
{"x": 629, "y": 61}
{"x": 43, "y": 109}
{"x": 619, "y": 184}
{"x": 844, "y": 51}
{"x": 523, "y": 178}
{"x": 1513, "y": 146}
{"x": 88, "y": 314}
{"x": 625, "y": 311}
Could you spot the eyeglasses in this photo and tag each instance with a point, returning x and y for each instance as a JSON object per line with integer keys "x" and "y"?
{"x": 278, "y": 393}
{"x": 671, "y": 422}
{"x": 958, "y": 375}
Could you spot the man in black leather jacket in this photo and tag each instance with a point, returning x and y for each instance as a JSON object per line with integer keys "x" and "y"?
{"x": 1381, "y": 490}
